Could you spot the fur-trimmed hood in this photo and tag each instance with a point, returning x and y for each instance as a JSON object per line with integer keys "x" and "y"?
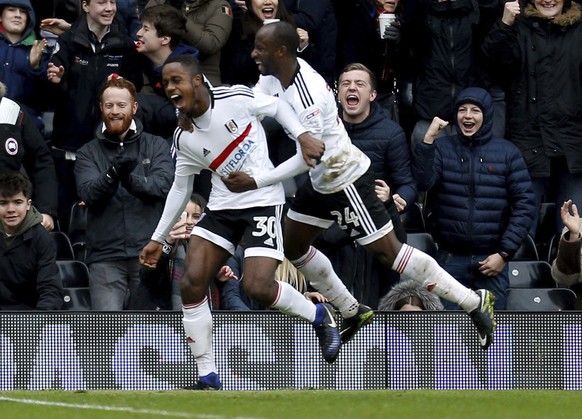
{"x": 410, "y": 288}
{"x": 570, "y": 15}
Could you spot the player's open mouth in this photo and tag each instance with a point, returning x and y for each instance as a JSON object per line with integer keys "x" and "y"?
{"x": 268, "y": 12}
{"x": 176, "y": 100}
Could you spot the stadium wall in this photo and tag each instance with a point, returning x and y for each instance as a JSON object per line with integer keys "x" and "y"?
{"x": 267, "y": 350}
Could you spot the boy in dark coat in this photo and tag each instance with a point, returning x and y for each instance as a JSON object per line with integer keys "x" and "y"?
{"x": 29, "y": 276}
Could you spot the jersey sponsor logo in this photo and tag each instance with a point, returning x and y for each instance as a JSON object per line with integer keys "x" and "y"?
{"x": 226, "y": 153}
{"x": 205, "y": 151}
{"x": 236, "y": 160}
{"x": 11, "y": 146}
{"x": 231, "y": 126}
{"x": 269, "y": 242}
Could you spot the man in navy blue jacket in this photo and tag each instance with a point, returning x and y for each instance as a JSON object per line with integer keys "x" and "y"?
{"x": 384, "y": 142}
{"x": 481, "y": 194}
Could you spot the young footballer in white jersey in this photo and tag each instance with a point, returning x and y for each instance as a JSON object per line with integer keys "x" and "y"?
{"x": 227, "y": 136}
{"x": 340, "y": 189}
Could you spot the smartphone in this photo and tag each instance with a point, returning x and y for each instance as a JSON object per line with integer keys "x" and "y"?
{"x": 182, "y": 220}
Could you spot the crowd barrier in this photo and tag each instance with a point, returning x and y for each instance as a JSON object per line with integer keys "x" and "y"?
{"x": 268, "y": 350}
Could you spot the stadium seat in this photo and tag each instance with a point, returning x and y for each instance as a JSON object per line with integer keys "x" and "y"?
{"x": 530, "y": 274}
{"x": 527, "y": 250}
{"x": 422, "y": 241}
{"x": 75, "y": 277}
{"x": 553, "y": 248}
{"x": 64, "y": 247}
{"x": 540, "y": 299}
{"x": 77, "y": 230}
{"x": 413, "y": 219}
{"x": 546, "y": 227}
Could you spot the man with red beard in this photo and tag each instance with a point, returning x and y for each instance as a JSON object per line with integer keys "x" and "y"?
{"x": 123, "y": 176}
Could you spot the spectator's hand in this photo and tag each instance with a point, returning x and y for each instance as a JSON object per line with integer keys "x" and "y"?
{"x": 436, "y": 126}
{"x": 392, "y": 33}
{"x": 123, "y": 166}
{"x": 312, "y": 148}
{"x": 382, "y": 190}
{"x": 511, "y": 11}
{"x": 571, "y": 220}
{"x": 399, "y": 202}
{"x": 492, "y": 265}
{"x": 239, "y": 182}
{"x": 241, "y": 4}
{"x": 315, "y": 297}
{"x": 179, "y": 232}
{"x": 55, "y": 25}
{"x": 55, "y": 74}
{"x": 225, "y": 273}
{"x": 48, "y": 222}
{"x": 150, "y": 255}
{"x": 303, "y": 38}
{"x": 36, "y": 53}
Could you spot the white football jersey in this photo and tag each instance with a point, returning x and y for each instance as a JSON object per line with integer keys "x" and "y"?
{"x": 230, "y": 138}
{"x": 314, "y": 102}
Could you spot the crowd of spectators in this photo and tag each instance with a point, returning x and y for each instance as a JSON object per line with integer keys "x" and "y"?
{"x": 469, "y": 110}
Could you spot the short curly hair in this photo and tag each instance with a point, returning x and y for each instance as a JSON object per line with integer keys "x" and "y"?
{"x": 12, "y": 183}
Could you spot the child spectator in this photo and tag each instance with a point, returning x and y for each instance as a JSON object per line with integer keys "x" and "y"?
{"x": 23, "y": 57}
{"x": 29, "y": 276}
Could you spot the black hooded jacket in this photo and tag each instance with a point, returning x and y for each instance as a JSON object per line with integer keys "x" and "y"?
{"x": 77, "y": 103}
{"x": 542, "y": 63}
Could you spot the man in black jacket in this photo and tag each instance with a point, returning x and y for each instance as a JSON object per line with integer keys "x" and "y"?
{"x": 25, "y": 148}
{"x": 123, "y": 176}
{"x": 85, "y": 55}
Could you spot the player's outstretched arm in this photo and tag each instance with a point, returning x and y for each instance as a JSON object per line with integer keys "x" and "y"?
{"x": 311, "y": 148}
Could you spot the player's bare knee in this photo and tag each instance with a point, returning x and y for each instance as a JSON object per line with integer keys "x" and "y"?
{"x": 263, "y": 292}
{"x": 294, "y": 252}
{"x": 193, "y": 288}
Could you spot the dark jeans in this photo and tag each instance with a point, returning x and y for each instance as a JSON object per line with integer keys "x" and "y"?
{"x": 465, "y": 269}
